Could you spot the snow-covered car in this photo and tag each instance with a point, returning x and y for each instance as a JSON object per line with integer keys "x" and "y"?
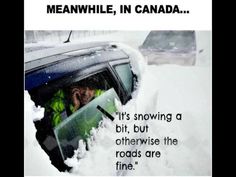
{"x": 57, "y": 68}
{"x": 170, "y": 47}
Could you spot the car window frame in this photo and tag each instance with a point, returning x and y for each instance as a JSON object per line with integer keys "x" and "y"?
{"x": 113, "y": 64}
{"x": 129, "y": 92}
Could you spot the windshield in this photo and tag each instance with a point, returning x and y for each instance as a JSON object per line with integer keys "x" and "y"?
{"x": 174, "y": 41}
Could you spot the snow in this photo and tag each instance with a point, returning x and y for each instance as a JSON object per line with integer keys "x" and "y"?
{"x": 204, "y": 48}
{"x": 164, "y": 89}
{"x": 36, "y": 161}
{"x": 186, "y": 90}
{"x": 134, "y": 39}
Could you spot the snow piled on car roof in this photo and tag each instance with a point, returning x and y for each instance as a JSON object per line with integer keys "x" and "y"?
{"x": 36, "y": 161}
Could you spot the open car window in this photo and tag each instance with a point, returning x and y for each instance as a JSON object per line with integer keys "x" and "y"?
{"x": 62, "y": 122}
{"x": 49, "y": 94}
{"x": 79, "y": 124}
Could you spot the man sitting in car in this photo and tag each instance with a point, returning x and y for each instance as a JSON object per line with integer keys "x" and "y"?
{"x": 66, "y": 101}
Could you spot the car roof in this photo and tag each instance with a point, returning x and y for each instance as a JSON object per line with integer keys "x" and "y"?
{"x": 51, "y": 64}
{"x": 41, "y": 58}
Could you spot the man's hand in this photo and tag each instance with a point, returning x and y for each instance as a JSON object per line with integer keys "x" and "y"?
{"x": 75, "y": 98}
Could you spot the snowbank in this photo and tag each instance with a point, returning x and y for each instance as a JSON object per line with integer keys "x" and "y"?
{"x": 166, "y": 88}
{"x": 36, "y": 161}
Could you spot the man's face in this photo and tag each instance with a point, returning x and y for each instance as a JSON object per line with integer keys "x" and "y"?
{"x": 85, "y": 94}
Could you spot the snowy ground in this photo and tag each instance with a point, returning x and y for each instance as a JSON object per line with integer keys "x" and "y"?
{"x": 165, "y": 88}
{"x": 36, "y": 161}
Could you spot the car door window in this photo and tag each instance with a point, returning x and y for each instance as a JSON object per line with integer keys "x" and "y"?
{"x": 125, "y": 74}
{"x": 79, "y": 124}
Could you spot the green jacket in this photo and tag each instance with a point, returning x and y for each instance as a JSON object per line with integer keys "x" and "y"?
{"x": 57, "y": 106}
